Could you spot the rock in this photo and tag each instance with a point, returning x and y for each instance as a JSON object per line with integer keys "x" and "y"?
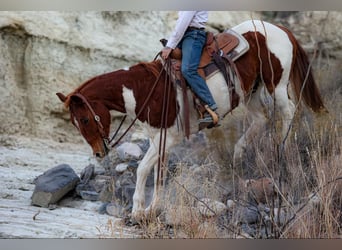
{"x": 245, "y": 214}
{"x": 52, "y": 185}
{"x": 115, "y": 209}
{"x": 128, "y": 150}
{"x": 102, "y": 208}
{"x": 231, "y": 204}
{"x": 90, "y": 195}
{"x": 260, "y": 190}
{"x": 122, "y": 167}
{"x": 208, "y": 207}
{"x": 84, "y": 187}
{"x": 100, "y": 182}
{"x": 87, "y": 173}
{"x": 106, "y": 194}
{"x": 248, "y": 215}
{"x": 133, "y": 164}
{"x": 124, "y": 195}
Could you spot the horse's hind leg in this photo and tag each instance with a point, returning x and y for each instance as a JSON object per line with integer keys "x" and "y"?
{"x": 286, "y": 108}
{"x": 255, "y": 108}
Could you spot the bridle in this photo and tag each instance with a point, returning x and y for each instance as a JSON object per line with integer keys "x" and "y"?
{"x": 97, "y": 119}
{"x": 105, "y": 139}
{"x": 162, "y": 142}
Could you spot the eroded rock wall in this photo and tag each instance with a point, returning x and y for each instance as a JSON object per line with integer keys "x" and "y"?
{"x": 46, "y": 52}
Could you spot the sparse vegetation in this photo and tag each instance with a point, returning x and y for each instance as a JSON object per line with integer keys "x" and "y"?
{"x": 306, "y": 174}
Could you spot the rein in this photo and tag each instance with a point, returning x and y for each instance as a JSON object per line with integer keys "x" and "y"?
{"x": 141, "y": 109}
{"x": 163, "y": 127}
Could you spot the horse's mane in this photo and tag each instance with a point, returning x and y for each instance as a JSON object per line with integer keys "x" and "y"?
{"x": 153, "y": 67}
{"x": 68, "y": 97}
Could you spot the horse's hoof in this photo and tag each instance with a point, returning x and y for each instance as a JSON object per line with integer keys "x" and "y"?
{"x": 137, "y": 217}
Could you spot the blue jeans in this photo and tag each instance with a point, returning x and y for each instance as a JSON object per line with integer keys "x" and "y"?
{"x": 192, "y": 44}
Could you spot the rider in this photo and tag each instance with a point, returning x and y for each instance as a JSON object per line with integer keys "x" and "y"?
{"x": 189, "y": 34}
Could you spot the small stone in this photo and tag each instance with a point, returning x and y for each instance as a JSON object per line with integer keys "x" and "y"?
{"x": 106, "y": 194}
{"x": 208, "y": 207}
{"x": 87, "y": 173}
{"x": 133, "y": 164}
{"x": 115, "y": 209}
{"x": 83, "y": 187}
{"x": 249, "y": 215}
{"x": 231, "y": 204}
{"x": 90, "y": 195}
{"x": 100, "y": 182}
{"x": 127, "y": 151}
{"x": 122, "y": 167}
{"x": 102, "y": 208}
{"x": 260, "y": 190}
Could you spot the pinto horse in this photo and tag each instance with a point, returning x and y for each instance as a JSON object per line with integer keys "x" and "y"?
{"x": 274, "y": 59}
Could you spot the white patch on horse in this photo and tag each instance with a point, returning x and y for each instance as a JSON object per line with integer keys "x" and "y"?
{"x": 277, "y": 42}
{"x": 219, "y": 89}
{"x": 76, "y": 123}
{"x": 129, "y": 100}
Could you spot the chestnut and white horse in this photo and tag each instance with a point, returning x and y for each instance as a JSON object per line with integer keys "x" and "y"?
{"x": 274, "y": 60}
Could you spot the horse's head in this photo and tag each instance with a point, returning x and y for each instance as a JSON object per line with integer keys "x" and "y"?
{"x": 92, "y": 119}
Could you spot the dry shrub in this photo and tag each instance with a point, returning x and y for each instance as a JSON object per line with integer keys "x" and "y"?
{"x": 307, "y": 174}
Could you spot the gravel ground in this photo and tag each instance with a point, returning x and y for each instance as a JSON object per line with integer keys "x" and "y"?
{"x": 22, "y": 159}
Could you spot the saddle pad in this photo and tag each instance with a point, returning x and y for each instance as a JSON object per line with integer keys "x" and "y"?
{"x": 241, "y": 48}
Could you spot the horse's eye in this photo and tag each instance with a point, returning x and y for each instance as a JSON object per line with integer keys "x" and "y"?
{"x": 84, "y": 120}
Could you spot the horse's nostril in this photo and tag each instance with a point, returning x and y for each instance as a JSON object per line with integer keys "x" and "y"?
{"x": 98, "y": 155}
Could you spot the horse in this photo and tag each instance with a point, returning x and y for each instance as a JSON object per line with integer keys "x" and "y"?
{"x": 274, "y": 60}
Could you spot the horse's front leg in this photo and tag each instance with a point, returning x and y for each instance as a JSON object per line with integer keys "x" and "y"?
{"x": 159, "y": 182}
{"x": 257, "y": 124}
{"x": 144, "y": 168}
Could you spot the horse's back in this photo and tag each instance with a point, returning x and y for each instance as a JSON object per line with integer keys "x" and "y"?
{"x": 277, "y": 39}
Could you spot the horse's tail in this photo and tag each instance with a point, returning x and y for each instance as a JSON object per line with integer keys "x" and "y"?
{"x": 302, "y": 79}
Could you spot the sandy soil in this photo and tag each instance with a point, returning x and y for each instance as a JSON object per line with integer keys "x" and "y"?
{"x": 21, "y": 161}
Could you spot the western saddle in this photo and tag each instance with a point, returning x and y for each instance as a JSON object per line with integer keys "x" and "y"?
{"x": 217, "y": 55}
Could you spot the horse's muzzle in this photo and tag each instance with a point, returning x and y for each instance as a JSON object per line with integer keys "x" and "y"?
{"x": 103, "y": 150}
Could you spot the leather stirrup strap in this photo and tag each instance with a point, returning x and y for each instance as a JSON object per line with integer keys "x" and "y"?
{"x": 186, "y": 107}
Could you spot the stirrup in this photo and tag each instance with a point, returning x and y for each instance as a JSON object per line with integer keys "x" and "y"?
{"x": 213, "y": 114}
{"x": 209, "y": 120}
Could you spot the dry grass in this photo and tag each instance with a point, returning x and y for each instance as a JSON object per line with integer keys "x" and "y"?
{"x": 307, "y": 176}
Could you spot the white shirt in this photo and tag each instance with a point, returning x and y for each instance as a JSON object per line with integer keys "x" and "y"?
{"x": 185, "y": 19}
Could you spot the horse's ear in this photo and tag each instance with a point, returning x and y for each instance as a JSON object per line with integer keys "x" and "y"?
{"x": 76, "y": 99}
{"x": 61, "y": 97}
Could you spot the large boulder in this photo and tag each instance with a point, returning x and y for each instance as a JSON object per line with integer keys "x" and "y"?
{"x": 53, "y": 184}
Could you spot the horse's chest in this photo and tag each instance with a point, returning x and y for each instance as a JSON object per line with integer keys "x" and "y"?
{"x": 149, "y": 110}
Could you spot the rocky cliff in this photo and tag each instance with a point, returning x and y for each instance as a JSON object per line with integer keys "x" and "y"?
{"x": 46, "y": 52}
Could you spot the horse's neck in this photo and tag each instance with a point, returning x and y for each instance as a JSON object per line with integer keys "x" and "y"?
{"x": 108, "y": 94}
